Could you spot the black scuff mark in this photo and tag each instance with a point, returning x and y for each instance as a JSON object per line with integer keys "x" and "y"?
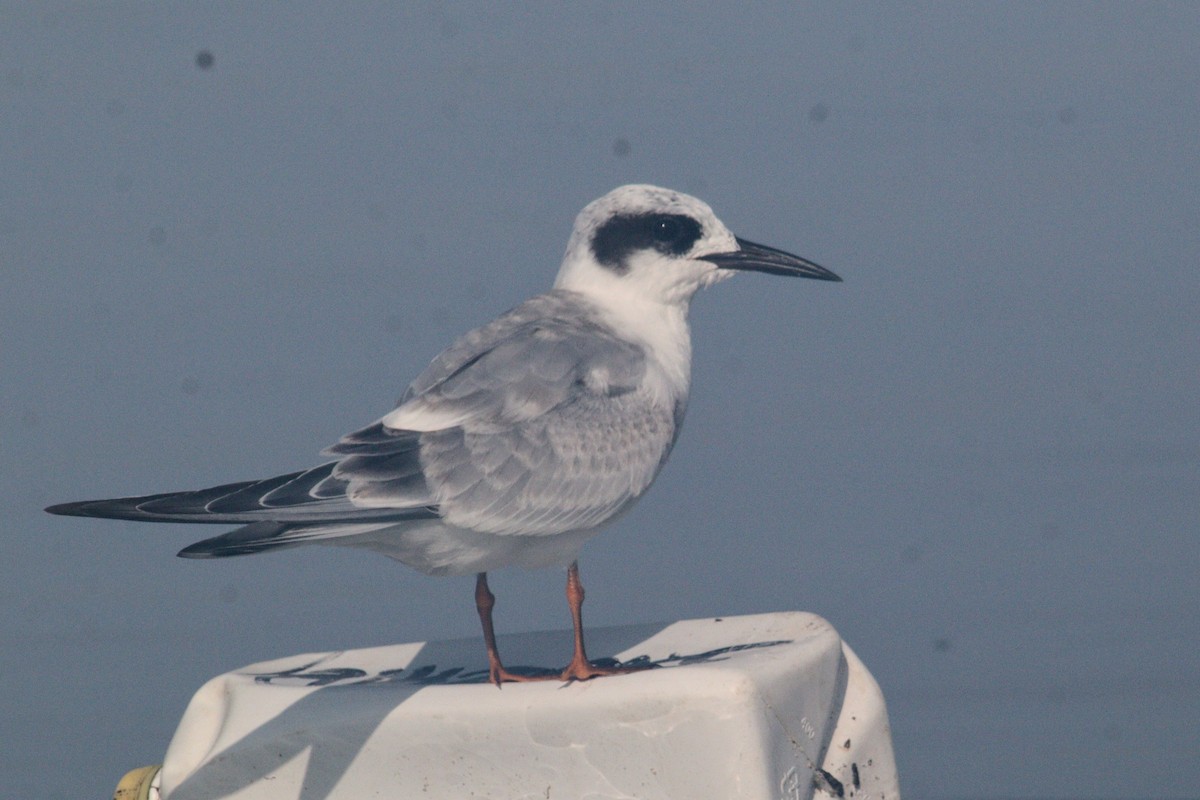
{"x": 824, "y": 780}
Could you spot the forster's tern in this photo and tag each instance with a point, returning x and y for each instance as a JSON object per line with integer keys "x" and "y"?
{"x": 526, "y": 436}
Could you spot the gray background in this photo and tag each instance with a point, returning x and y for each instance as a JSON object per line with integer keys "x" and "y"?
{"x": 978, "y": 457}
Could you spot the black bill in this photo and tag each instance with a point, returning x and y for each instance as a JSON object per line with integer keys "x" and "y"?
{"x": 760, "y": 258}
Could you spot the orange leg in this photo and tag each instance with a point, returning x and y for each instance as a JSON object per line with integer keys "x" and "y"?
{"x": 485, "y": 601}
{"x": 580, "y": 668}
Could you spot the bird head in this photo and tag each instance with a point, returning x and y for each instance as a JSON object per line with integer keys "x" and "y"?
{"x": 651, "y": 244}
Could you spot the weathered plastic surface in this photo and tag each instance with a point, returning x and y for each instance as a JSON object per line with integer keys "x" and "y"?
{"x": 765, "y": 706}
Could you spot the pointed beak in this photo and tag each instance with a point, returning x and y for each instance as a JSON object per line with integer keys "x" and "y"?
{"x": 760, "y": 258}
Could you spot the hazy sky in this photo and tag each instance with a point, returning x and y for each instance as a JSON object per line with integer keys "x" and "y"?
{"x": 979, "y": 457}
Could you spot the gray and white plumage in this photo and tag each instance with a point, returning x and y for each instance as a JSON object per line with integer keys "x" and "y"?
{"x": 527, "y": 435}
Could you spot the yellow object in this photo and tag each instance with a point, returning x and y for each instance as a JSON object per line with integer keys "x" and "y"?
{"x": 136, "y": 784}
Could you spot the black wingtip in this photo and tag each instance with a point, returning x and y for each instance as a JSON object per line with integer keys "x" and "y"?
{"x": 192, "y": 551}
{"x": 254, "y": 538}
{"x": 209, "y": 549}
{"x": 72, "y": 509}
{"x": 206, "y": 550}
{"x": 116, "y": 508}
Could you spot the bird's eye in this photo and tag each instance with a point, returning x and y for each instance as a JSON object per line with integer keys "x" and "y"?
{"x": 666, "y": 229}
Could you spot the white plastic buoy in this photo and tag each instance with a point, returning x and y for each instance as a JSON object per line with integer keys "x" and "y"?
{"x": 764, "y": 706}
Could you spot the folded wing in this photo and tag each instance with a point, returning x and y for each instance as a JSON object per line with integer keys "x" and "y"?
{"x": 534, "y": 424}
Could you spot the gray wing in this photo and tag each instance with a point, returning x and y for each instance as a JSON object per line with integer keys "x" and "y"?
{"x": 534, "y": 424}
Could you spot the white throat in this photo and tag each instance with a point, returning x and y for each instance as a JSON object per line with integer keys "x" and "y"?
{"x": 658, "y": 325}
{"x": 662, "y": 328}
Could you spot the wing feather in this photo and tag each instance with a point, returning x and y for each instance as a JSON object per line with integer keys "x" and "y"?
{"x": 258, "y": 537}
{"x": 313, "y": 496}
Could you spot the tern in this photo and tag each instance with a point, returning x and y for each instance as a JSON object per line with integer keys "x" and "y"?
{"x": 522, "y": 439}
